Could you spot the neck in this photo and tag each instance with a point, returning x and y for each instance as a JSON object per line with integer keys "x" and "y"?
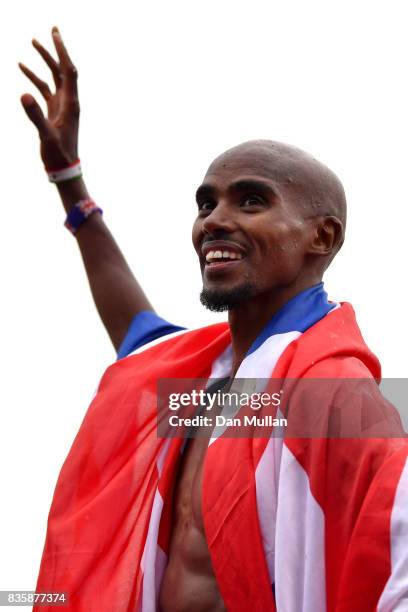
{"x": 248, "y": 320}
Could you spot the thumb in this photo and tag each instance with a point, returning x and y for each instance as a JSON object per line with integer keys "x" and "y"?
{"x": 35, "y": 114}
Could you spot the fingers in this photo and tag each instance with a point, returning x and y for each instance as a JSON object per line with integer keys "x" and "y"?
{"x": 41, "y": 85}
{"x": 36, "y": 115}
{"x": 67, "y": 67}
{"x": 49, "y": 60}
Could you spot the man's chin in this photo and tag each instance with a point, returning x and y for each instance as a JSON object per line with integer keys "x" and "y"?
{"x": 219, "y": 300}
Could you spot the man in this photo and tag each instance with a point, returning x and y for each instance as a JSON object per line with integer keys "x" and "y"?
{"x": 256, "y": 522}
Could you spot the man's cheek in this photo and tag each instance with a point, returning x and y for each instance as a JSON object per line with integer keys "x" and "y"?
{"x": 195, "y": 231}
{"x": 282, "y": 260}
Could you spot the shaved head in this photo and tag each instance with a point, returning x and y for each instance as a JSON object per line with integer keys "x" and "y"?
{"x": 274, "y": 215}
{"x": 315, "y": 188}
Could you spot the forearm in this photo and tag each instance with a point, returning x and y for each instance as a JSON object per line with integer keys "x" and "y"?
{"x": 116, "y": 292}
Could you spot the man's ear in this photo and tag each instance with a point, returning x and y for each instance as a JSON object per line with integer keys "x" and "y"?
{"x": 328, "y": 236}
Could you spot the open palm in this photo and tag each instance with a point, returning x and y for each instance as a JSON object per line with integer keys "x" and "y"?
{"x": 58, "y": 131}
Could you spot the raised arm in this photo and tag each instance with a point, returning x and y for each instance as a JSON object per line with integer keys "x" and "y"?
{"x": 116, "y": 292}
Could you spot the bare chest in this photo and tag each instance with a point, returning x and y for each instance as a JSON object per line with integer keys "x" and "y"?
{"x": 188, "y": 491}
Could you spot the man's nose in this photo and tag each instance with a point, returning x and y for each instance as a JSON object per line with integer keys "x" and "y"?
{"x": 220, "y": 218}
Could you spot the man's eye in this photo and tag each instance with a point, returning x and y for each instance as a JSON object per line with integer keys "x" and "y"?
{"x": 251, "y": 200}
{"x": 205, "y": 205}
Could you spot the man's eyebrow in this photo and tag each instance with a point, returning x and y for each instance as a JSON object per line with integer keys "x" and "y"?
{"x": 252, "y": 185}
{"x": 204, "y": 191}
{"x": 247, "y": 184}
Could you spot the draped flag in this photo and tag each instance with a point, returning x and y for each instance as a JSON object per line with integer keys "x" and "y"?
{"x": 322, "y": 518}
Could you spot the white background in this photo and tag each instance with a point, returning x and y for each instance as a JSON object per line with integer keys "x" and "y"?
{"x": 165, "y": 87}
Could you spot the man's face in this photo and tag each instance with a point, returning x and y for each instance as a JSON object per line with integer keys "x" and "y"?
{"x": 249, "y": 234}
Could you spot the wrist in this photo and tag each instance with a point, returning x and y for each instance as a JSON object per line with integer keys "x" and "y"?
{"x": 71, "y": 192}
{"x": 65, "y": 173}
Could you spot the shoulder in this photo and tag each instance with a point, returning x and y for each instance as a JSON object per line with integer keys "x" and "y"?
{"x": 339, "y": 366}
{"x": 332, "y": 347}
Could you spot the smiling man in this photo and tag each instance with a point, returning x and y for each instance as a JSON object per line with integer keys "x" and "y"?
{"x": 281, "y": 214}
{"x": 216, "y": 522}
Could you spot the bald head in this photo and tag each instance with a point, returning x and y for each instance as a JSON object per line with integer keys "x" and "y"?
{"x": 277, "y": 217}
{"x": 314, "y": 188}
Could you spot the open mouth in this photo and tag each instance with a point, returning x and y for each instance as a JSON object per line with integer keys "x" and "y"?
{"x": 217, "y": 257}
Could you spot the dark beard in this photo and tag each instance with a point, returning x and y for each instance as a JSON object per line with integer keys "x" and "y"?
{"x": 219, "y": 300}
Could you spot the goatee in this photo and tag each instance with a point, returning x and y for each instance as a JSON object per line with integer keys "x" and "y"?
{"x": 219, "y": 300}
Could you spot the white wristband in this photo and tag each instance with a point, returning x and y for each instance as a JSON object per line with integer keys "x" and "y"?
{"x": 65, "y": 174}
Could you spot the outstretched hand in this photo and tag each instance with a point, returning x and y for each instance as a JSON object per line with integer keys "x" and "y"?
{"x": 58, "y": 131}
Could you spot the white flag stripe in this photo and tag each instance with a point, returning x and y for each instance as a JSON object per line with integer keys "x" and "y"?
{"x": 266, "y": 498}
{"x": 300, "y": 574}
{"x": 395, "y": 595}
{"x": 152, "y": 562}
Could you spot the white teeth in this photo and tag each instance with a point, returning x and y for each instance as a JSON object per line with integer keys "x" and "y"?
{"x": 222, "y": 255}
